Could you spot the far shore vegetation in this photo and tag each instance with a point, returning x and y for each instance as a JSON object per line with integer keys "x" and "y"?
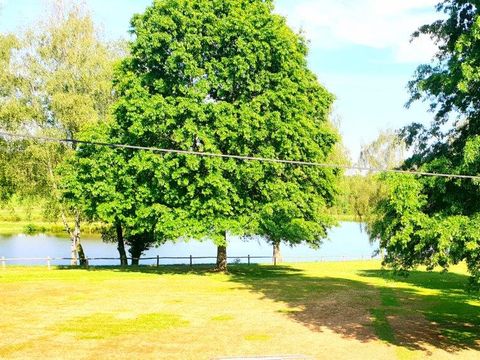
{"x": 31, "y": 218}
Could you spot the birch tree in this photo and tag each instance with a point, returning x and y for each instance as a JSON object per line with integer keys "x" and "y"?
{"x": 62, "y": 84}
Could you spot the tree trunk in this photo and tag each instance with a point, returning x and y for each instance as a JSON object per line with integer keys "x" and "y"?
{"x": 135, "y": 257}
{"x": 73, "y": 251}
{"x": 81, "y": 255}
{"x": 74, "y": 239}
{"x": 221, "y": 259}
{"x": 138, "y": 244}
{"x": 136, "y": 250}
{"x": 76, "y": 235}
{"x": 222, "y": 256}
{"x": 76, "y": 248}
{"x": 121, "y": 245}
{"x": 382, "y": 254}
{"x": 277, "y": 255}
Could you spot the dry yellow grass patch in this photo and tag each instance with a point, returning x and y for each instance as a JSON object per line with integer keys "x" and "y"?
{"x": 334, "y": 311}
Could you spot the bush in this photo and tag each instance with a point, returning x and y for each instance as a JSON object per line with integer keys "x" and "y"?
{"x": 31, "y": 229}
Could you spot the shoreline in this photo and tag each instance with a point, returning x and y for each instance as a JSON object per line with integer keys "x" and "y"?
{"x": 12, "y": 228}
{"x": 36, "y": 227}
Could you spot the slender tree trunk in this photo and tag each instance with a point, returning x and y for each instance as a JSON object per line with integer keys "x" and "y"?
{"x": 76, "y": 234}
{"x": 74, "y": 241}
{"x": 277, "y": 255}
{"x": 77, "y": 252}
{"x": 222, "y": 256}
{"x": 121, "y": 245}
{"x": 73, "y": 253}
{"x": 138, "y": 244}
{"x": 76, "y": 248}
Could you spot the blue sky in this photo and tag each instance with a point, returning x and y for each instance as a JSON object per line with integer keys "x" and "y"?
{"x": 359, "y": 49}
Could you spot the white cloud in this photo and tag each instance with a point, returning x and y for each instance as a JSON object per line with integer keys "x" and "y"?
{"x": 421, "y": 50}
{"x": 379, "y": 24}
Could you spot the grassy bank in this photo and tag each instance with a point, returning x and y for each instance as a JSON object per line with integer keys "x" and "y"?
{"x": 8, "y": 228}
{"x": 323, "y": 310}
{"x": 18, "y": 218}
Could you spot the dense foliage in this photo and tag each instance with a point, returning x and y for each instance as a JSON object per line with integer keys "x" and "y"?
{"x": 434, "y": 221}
{"x": 226, "y": 77}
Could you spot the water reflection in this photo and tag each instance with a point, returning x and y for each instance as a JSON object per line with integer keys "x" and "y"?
{"x": 345, "y": 242}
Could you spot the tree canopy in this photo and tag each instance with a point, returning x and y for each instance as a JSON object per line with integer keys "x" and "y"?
{"x": 433, "y": 221}
{"x": 226, "y": 77}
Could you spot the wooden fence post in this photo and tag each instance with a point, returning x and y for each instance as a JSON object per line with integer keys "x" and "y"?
{"x": 248, "y": 259}
{"x": 158, "y": 260}
{"x": 191, "y": 261}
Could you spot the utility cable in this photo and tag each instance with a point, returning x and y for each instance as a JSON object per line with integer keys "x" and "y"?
{"x": 239, "y": 157}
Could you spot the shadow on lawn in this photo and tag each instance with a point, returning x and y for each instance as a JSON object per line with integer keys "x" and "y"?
{"x": 445, "y": 305}
{"x": 425, "y": 309}
{"x": 443, "y": 318}
{"x": 145, "y": 269}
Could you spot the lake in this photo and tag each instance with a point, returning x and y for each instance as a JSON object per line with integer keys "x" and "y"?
{"x": 345, "y": 242}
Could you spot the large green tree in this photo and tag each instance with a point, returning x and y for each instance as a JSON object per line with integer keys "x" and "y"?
{"x": 228, "y": 77}
{"x": 434, "y": 220}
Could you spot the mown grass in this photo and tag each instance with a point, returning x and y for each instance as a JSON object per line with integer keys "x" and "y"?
{"x": 104, "y": 325}
{"x": 324, "y": 310}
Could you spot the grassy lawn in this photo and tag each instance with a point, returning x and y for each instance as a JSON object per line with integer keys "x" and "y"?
{"x": 323, "y": 310}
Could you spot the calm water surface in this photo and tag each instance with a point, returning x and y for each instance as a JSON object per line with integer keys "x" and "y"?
{"x": 346, "y": 242}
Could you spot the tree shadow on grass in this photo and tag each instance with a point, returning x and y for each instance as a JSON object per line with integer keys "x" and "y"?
{"x": 453, "y": 315}
{"x": 443, "y": 318}
{"x": 426, "y": 310}
{"x": 146, "y": 269}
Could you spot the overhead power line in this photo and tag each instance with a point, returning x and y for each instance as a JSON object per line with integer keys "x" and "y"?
{"x": 238, "y": 157}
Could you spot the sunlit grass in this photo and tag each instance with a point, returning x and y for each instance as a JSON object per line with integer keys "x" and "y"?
{"x": 322, "y": 310}
{"x": 222, "y": 318}
{"x": 102, "y": 326}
